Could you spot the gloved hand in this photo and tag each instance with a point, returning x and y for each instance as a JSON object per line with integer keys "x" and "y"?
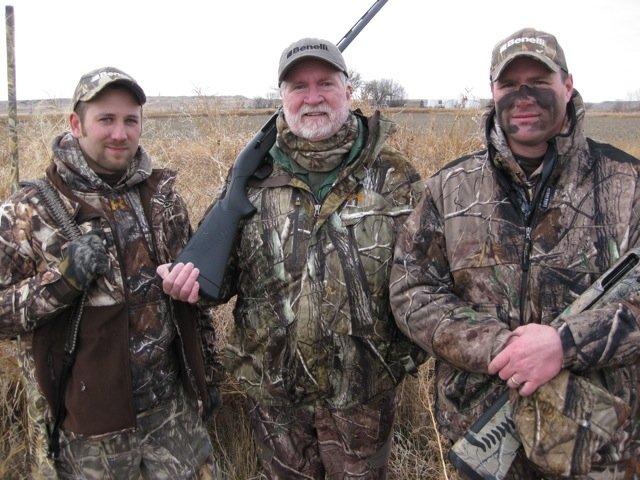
{"x": 86, "y": 259}
{"x": 213, "y": 403}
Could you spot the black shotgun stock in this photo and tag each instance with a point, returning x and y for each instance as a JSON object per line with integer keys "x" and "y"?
{"x": 210, "y": 246}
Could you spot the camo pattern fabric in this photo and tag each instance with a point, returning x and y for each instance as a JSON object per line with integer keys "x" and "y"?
{"x": 562, "y": 441}
{"x": 85, "y": 260}
{"x": 33, "y": 291}
{"x": 312, "y": 316}
{"x": 315, "y": 441}
{"x": 170, "y": 442}
{"x": 459, "y": 283}
{"x": 41, "y": 467}
{"x": 154, "y": 367}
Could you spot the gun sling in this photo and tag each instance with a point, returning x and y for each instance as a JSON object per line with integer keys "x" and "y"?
{"x": 70, "y": 229}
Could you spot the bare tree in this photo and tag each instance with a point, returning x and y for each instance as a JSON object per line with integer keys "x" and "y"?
{"x": 270, "y": 100}
{"x": 384, "y": 93}
{"x": 355, "y": 79}
{"x": 260, "y": 102}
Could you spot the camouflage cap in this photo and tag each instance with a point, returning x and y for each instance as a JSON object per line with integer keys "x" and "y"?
{"x": 567, "y": 421}
{"x": 527, "y": 42}
{"x": 310, "y": 48}
{"x": 95, "y": 81}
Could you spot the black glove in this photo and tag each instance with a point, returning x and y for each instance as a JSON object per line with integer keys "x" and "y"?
{"x": 86, "y": 259}
{"x": 213, "y": 402}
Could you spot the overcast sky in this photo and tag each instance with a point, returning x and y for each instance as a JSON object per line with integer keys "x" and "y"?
{"x": 433, "y": 48}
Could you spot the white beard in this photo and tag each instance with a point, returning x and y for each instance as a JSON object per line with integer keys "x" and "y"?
{"x": 319, "y": 127}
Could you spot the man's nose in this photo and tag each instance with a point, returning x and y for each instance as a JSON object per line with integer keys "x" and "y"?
{"x": 314, "y": 96}
{"x": 119, "y": 131}
{"x": 525, "y": 94}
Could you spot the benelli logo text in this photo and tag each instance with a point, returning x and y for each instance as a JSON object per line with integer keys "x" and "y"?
{"x": 108, "y": 75}
{"x": 320, "y": 46}
{"x": 515, "y": 41}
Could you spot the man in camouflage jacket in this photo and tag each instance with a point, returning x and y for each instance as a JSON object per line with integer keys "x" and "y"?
{"x": 506, "y": 238}
{"x": 131, "y": 399}
{"x": 315, "y": 344}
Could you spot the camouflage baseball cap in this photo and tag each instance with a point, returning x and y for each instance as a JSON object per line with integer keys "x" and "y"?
{"x": 567, "y": 421}
{"x": 527, "y": 42}
{"x": 92, "y": 83}
{"x": 310, "y": 48}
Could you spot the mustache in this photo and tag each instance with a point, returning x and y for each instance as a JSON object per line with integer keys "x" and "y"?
{"x": 322, "y": 108}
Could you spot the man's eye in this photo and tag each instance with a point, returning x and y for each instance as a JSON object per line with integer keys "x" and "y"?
{"x": 105, "y": 120}
{"x": 131, "y": 121}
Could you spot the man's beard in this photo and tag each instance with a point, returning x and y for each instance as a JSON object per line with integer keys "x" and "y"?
{"x": 316, "y": 128}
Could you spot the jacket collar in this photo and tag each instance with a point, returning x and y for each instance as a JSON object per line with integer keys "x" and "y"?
{"x": 75, "y": 172}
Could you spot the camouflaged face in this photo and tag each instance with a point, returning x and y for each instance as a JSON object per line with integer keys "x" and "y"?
{"x": 458, "y": 286}
{"x": 312, "y": 315}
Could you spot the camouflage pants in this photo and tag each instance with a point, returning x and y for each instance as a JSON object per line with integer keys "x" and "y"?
{"x": 169, "y": 442}
{"x": 316, "y": 442}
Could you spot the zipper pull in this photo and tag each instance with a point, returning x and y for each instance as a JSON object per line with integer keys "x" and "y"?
{"x": 526, "y": 253}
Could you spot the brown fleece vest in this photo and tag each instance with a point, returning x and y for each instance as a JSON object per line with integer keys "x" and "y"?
{"x": 98, "y": 397}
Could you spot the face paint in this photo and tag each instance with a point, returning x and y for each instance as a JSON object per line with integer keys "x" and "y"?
{"x": 531, "y": 103}
{"x": 544, "y": 97}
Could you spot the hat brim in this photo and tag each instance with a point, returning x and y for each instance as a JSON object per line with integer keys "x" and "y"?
{"x": 546, "y": 61}
{"x": 131, "y": 86}
{"x": 304, "y": 56}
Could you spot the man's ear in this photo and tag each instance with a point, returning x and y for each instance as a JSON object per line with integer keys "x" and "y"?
{"x": 349, "y": 91}
{"x": 568, "y": 83}
{"x": 76, "y": 125}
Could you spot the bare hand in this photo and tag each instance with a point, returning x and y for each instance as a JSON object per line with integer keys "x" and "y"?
{"x": 181, "y": 282}
{"x": 532, "y": 357}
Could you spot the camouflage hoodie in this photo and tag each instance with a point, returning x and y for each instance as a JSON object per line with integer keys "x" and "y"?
{"x": 133, "y": 342}
{"x": 312, "y": 315}
{"x": 485, "y": 252}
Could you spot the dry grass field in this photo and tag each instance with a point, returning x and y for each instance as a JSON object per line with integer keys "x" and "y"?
{"x": 202, "y": 145}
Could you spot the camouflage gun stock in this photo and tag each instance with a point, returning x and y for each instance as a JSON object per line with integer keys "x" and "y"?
{"x": 210, "y": 247}
{"x": 488, "y": 448}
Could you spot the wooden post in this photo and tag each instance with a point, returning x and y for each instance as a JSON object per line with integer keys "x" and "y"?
{"x": 12, "y": 117}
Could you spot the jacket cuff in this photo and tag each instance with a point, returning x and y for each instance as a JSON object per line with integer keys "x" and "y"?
{"x": 63, "y": 291}
{"x": 569, "y": 349}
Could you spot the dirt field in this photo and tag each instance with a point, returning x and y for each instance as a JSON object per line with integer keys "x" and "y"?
{"x": 202, "y": 148}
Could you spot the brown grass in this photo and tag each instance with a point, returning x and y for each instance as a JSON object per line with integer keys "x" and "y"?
{"x": 201, "y": 144}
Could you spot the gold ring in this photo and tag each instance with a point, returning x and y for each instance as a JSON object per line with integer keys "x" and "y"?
{"x": 514, "y": 381}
